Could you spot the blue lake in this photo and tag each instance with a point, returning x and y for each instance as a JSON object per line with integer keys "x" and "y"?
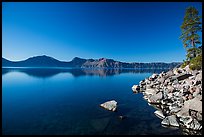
{"x": 66, "y": 101}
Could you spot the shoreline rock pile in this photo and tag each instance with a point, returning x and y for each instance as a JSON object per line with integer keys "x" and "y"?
{"x": 177, "y": 94}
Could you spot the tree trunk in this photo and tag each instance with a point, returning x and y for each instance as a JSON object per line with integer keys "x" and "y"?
{"x": 194, "y": 50}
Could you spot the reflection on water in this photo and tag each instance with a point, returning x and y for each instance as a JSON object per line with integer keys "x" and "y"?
{"x": 51, "y": 101}
{"x": 44, "y": 72}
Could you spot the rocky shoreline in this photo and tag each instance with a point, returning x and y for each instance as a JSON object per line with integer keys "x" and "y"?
{"x": 177, "y": 96}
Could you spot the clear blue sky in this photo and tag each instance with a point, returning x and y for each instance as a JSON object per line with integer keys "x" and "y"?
{"x": 131, "y": 32}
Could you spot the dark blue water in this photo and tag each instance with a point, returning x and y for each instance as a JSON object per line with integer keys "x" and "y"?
{"x": 66, "y": 101}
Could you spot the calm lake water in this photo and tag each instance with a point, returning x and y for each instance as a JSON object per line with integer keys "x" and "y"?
{"x": 66, "y": 101}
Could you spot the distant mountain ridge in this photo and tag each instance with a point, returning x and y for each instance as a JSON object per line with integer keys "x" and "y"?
{"x": 46, "y": 61}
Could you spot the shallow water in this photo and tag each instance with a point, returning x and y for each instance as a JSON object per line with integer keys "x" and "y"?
{"x": 66, "y": 101}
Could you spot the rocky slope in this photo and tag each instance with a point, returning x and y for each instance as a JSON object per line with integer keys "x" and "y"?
{"x": 177, "y": 94}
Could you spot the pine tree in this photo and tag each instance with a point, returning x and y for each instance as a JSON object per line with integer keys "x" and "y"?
{"x": 190, "y": 27}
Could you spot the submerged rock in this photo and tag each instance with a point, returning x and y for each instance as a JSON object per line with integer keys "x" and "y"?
{"x": 100, "y": 124}
{"x": 122, "y": 117}
{"x": 110, "y": 105}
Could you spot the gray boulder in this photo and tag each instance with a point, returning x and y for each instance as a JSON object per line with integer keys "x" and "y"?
{"x": 191, "y": 123}
{"x": 169, "y": 73}
{"x": 183, "y": 112}
{"x": 135, "y": 88}
{"x": 142, "y": 83}
{"x": 195, "y": 72}
{"x": 199, "y": 77}
{"x": 199, "y": 116}
{"x": 193, "y": 104}
{"x": 192, "y": 77}
{"x": 195, "y": 125}
{"x": 170, "y": 88}
{"x": 154, "y": 76}
{"x": 175, "y": 110}
{"x": 155, "y": 98}
{"x": 170, "y": 121}
{"x": 188, "y": 70}
{"x": 186, "y": 120}
{"x": 165, "y": 122}
{"x": 167, "y": 81}
{"x": 150, "y": 91}
{"x": 159, "y": 114}
{"x": 197, "y": 92}
{"x": 199, "y": 97}
{"x": 161, "y": 80}
{"x": 109, "y": 105}
{"x": 173, "y": 121}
